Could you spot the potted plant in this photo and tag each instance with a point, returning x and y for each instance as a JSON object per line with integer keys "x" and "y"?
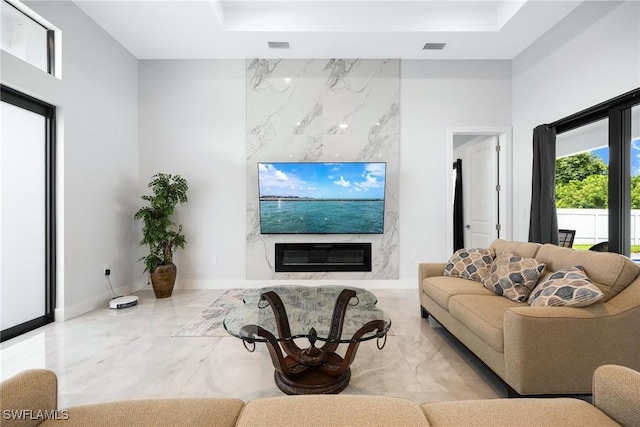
{"x": 160, "y": 233}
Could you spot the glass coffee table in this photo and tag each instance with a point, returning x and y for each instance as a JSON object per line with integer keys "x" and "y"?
{"x": 331, "y": 315}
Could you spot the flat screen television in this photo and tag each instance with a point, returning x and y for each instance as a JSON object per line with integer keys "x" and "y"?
{"x": 322, "y": 198}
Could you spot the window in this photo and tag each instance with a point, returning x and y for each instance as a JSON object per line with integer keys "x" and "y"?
{"x": 635, "y": 182}
{"x": 27, "y": 213}
{"x": 26, "y": 36}
{"x": 621, "y": 116}
{"x": 582, "y": 190}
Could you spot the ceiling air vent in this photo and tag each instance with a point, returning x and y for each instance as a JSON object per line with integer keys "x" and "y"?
{"x": 434, "y": 46}
{"x": 278, "y": 45}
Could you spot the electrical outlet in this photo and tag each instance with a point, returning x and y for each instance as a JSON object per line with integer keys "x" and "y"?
{"x": 412, "y": 259}
{"x": 106, "y": 270}
{"x": 214, "y": 260}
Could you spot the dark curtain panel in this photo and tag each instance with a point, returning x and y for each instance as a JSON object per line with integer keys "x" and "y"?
{"x": 458, "y": 211}
{"x": 543, "y": 221}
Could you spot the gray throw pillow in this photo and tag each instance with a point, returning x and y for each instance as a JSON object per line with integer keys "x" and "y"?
{"x": 472, "y": 264}
{"x": 514, "y": 277}
{"x": 566, "y": 287}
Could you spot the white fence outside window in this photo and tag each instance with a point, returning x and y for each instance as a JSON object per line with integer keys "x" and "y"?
{"x": 592, "y": 225}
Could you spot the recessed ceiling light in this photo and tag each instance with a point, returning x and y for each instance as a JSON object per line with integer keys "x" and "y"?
{"x": 278, "y": 45}
{"x": 434, "y": 46}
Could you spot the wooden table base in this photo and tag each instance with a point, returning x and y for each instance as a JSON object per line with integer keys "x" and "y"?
{"x": 313, "y": 382}
{"x": 313, "y": 370}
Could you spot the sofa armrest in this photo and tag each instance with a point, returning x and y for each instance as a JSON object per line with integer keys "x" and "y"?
{"x": 430, "y": 269}
{"x": 616, "y": 392}
{"x": 551, "y": 350}
{"x": 26, "y": 395}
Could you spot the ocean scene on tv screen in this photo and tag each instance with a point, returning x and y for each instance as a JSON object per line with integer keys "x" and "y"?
{"x": 322, "y": 198}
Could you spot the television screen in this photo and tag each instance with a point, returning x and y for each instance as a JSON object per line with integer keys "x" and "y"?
{"x": 322, "y": 198}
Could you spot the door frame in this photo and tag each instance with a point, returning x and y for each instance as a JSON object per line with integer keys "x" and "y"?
{"x": 504, "y": 134}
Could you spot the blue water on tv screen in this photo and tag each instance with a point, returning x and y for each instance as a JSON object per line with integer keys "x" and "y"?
{"x": 322, "y": 198}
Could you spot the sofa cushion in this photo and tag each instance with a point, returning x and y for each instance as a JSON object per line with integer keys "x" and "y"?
{"x": 472, "y": 264}
{"x": 441, "y": 289}
{"x": 523, "y": 249}
{"x": 483, "y": 315}
{"x": 541, "y": 412}
{"x": 610, "y": 272}
{"x": 189, "y": 412}
{"x": 513, "y": 277}
{"x": 332, "y": 410}
{"x": 567, "y": 287}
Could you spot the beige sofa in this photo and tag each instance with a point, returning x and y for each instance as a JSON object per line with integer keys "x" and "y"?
{"x": 542, "y": 350}
{"x": 29, "y": 399}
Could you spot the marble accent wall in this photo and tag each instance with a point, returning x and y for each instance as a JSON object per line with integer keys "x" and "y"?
{"x": 297, "y": 110}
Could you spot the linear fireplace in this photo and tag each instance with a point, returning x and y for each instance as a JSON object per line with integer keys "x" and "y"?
{"x": 319, "y": 257}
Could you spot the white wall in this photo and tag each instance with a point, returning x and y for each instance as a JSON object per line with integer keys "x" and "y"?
{"x": 436, "y": 96}
{"x": 97, "y": 102}
{"x": 589, "y": 57}
{"x": 192, "y": 123}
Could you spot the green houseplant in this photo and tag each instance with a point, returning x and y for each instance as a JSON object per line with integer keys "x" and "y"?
{"x": 160, "y": 233}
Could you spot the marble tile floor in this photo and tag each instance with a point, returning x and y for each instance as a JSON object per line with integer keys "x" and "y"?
{"x": 107, "y": 355}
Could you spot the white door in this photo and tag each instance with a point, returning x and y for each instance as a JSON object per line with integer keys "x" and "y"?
{"x": 480, "y": 177}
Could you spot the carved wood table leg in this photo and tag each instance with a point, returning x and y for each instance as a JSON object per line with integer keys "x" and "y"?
{"x": 314, "y": 370}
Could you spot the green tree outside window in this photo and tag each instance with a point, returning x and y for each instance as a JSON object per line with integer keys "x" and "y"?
{"x": 582, "y": 183}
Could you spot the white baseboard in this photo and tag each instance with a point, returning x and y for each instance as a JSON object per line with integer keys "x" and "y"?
{"x": 101, "y": 300}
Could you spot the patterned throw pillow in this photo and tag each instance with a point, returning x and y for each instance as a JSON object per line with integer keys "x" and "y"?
{"x": 514, "y": 277}
{"x": 472, "y": 264}
{"x": 569, "y": 286}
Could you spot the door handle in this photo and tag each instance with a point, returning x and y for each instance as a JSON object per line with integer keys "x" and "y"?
{"x": 467, "y": 226}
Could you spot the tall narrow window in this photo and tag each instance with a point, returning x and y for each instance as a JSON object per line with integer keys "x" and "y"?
{"x": 27, "y": 207}
{"x": 635, "y": 183}
{"x": 582, "y": 183}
